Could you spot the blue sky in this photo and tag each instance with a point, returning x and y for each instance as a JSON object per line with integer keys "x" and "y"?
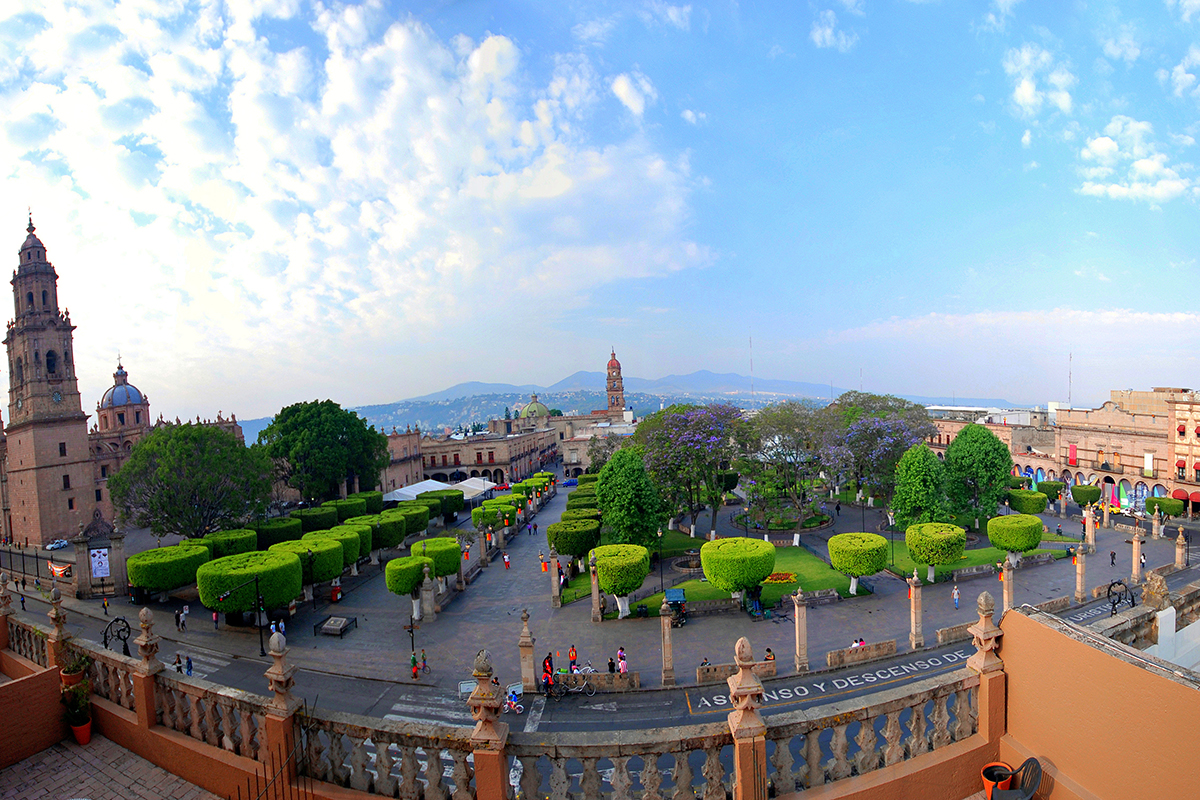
{"x": 263, "y": 202}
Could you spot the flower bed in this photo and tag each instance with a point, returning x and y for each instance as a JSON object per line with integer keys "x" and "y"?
{"x": 781, "y": 577}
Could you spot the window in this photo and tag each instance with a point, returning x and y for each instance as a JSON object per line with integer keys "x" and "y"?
{"x": 62, "y": 449}
{"x": 29, "y": 299}
{"x": 104, "y": 470}
{"x": 1181, "y": 473}
{"x": 491, "y": 456}
{"x": 137, "y": 417}
{"x": 456, "y": 459}
{"x": 44, "y": 295}
{"x": 478, "y": 457}
{"x": 70, "y": 503}
{"x": 121, "y": 418}
{"x": 99, "y": 495}
{"x": 443, "y": 461}
{"x": 66, "y": 481}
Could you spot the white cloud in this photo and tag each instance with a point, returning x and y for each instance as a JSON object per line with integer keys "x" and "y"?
{"x": 1038, "y": 80}
{"x": 1187, "y": 8}
{"x": 634, "y": 91}
{"x": 1180, "y": 79}
{"x": 693, "y": 117}
{"x": 824, "y": 33}
{"x": 1127, "y": 147}
{"x": 856, "y": 7}
{"x": 1030, "y": 166}
{"x": 676, "y": 16}
{"x": 997, "y": 18}
{"x": 595, "y": 31}
{"x": 1026, "y": 138}
{"x": 1123, "y": 46}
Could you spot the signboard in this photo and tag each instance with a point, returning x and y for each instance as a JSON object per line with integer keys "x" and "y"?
{"x": 99, "y": 558}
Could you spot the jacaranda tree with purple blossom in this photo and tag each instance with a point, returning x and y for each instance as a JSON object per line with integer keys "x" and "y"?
{"x": 876, "y": 447}
{"x": 669, "y": 463}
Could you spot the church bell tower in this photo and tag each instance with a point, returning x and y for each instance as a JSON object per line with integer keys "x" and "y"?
{"x": 616, "y": 387}
{"x": 49, "y": 464}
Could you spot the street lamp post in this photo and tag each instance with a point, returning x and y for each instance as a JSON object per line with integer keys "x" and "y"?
{"x": 661, "y": 585}
{"x": 312, "y": 577}
{"x": 262, "y": 651}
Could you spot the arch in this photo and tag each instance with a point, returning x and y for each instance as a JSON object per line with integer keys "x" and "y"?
{"x": 1140, "y": 492}
{"x": 1040, "y": 475}
{"x": 474, "y": 473}
{"x": 575, "y": 473}
{"x": 1028, "y": 473}
{"x": 1050, "y": 475}
{"x": 1068, "y": 478}
{"x": 1016, "y": 470}
{"x": 941, "y": 456}
{"x": 1091, "y": 479}
{"x": 438, "y": 476}
{"x": 128, "y": 446}
{"x": 498, "y": 476}
{"x": 486, "y": 474}
{"x": 51, "y": 362}
{"x": 1079, "y": 479}
{"x": 1124, "y": 493}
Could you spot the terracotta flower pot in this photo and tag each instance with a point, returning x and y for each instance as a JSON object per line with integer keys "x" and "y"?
{"x": 82, "y": 733}
{"x": 989, "y": 772}
{"x": 70, "y": 678}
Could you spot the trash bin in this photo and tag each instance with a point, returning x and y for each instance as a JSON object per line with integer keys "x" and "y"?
{"x": 641, "y": 610}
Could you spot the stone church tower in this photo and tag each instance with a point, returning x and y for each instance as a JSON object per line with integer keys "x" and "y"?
{"x": 50, "y": 476}
{"x": 616, "y": 388}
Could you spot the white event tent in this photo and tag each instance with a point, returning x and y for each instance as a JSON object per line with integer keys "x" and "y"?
{"x": 411, "y": 492}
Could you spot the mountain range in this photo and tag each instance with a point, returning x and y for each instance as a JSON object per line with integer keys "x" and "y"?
{"x": 579, "y": 393}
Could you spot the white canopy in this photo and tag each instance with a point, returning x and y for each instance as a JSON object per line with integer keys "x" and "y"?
{"x": 473, "y": 487}
{"x": 411, "y": 492}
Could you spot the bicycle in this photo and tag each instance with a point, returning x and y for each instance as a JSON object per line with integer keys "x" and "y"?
{"x": 511, "y": 704}
{"x": 588, "y": 669}
{"x": 558, "y": 689}
{"x": 425, "y": 667}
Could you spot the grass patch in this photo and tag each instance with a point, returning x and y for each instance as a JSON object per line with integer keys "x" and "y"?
{"x": 674, "y": 543}
{"x": 971, "y": 558}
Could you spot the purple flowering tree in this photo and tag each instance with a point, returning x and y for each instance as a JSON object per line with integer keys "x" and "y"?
{"x": 876, "y": 446}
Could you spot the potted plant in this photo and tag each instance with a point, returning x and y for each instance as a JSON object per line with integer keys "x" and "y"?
{"x": 77, "y": 699}
{"x": 75, "y": 664}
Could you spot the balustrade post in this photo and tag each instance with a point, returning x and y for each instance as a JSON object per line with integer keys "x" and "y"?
{"x": 668, "y": 654}
{"x": 596, "y": 616}
{"x": 525, "y": 645}
{"x": 489, "y": 737}
{"x": 1106, "y": 520}
{"x": 1156, "y": 526}
{"x": 57, "y": 638}
{"x": 1180, "y": 550}
{"x": 1089, "y": 519}
{"x": 5, "y": 610}
{"x": 1007, "y": 576}
{"x": 1080, "y": 579}
{"x": 916, "y": 639}
{"x": 747, "y": 726}
{"x": 143, "y": 675}
{"x": 801, "y": 617}
{"x": 1135, "y": 571}
{"x": 555, "y": 586}
{"x": 991, "y": 706}
{"x": 1062, "y": 502}
{"x": 279, "y": 730}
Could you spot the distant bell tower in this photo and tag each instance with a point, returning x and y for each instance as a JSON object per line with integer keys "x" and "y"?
{"x": 50, "y": 478}
{"x": 616, "y": 388}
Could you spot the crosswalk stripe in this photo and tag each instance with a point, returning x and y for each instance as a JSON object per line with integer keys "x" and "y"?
{"x": 202, "y": 665}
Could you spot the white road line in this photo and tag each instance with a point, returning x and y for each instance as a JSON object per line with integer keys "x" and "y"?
{"x": 536, "y": 708}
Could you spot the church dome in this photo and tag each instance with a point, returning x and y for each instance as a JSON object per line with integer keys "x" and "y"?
{"x": 123, "y": 393}
{"x": 535, "y": 408}
{"x": 612, "y": 362}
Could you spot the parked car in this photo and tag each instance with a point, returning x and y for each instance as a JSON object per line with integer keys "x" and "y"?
{"x": 57, "y": 544}
{"x": 501, "y": 487}
{"x": 571, "y": 482}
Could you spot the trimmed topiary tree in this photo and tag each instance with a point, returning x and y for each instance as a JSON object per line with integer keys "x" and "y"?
{"x": 386, "y": 531}
{"x": 934, "y": 543}
{"x": 366, "y": 538}
{"x": 574, "y": 537}
{"x": 1015, "y": 533}
{"x": 1018, "y": 481}
{"x": 279, "y": 580}
{"x": 445, "y": 552}
{"x": 587, "y": 478}
{"x": 735, "y": 565}
{"x": 325, "y": 564}
{"x": 230, "y": 543}
{"x": 374, "y": 500}
{"x": 580, "y": 513}
{"x": 347, "y": 507}
{"x": 857, "y": 554}
{"x": 316, "y": 519}
{"x": 451, "y": 501}
{"x": 1052, "y": 489}
{"x": 166, "y": 568}
{"x": 1169, "y": 506}
{"x": 405, "y": 575}
{"x": 273, "y": 531}
{"x": 620, "y": 570}
{"x": 416, "y": 518}
{"x": 574, "y": 502}
{"x": 1027, "y": 501}
{"x": 348, "y": 539}
{"x": 485, "y": 518}
{"x": 1084, "y": 494}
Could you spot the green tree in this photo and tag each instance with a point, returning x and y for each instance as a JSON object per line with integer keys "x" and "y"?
{"x": 628, "y": 502}
{"x": 735, "y": 565}
{"x": 599, "y": 450}
{"x": 1015, "y": 533}
{"x": 317, "y": 446}
{"x": 934, "y": 543}
{"x": 620, "y": 569}
{"x": 191, "y": 480}
{"x": 920, "y": 488}
{"x": 788, "y": 436}
{"x": 978, "y": 465}
{"x": 857, "y": 554}
{"x": 1026, "y": 501}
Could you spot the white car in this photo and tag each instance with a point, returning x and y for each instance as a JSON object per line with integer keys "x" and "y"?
{"x": 57, "y": 544}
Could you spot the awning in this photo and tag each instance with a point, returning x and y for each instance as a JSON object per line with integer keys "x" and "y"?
{"x": 1198, "y": 430}
{"x": 473, "y": 487}
{"x": 1179, "y": 494}
{"x": 1196, "y": 497}
{"x": 1181, "y": 463}
{"x": 1196, "y": 465}
{"x": 1182, "y": 429}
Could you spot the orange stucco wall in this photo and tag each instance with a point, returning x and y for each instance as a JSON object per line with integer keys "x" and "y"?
{"x": 1100, "y": 726}
{"x": 32, "y": 715}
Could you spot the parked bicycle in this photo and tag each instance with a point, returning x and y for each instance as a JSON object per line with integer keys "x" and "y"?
{"x": 559, "y": 689}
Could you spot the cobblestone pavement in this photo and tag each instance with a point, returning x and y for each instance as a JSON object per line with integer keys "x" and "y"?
{"x": 101, "y": 770}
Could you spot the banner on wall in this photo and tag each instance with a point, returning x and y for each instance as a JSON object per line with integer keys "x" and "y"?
{"x": 1148, "y": 465}
{"x": 1139, "y": 496}
{"x": 1072, "y": 456}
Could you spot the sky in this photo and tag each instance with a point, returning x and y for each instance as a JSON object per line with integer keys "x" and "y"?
{"x": 257, "y": 203}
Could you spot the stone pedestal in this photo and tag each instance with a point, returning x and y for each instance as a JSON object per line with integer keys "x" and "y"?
{"x": 1080, "y": 580}
{"x": 1062, "y": 503}
{"x": 668, "y": 656}
{"x": 1008, "y": 586}
{"x": 525, "y": 645}
{"x": 56, "y": 640}
{"x": 428, "y": 604}
{"x": 555, "y": 586}
{"x": 5, "y": 610}
{"x": 916, "y": 637}
{"x": 1156, "y": 526}
{"x": 1107, "y": 523}
{"x": 1089, "y": 519}
{"x": 490, "y": 735}
{"x": 991, "y": 705}
{"x": 1135, "y": 570}
{"x": 747, "y": 726}
{"x": 1180, "y": 550}
{"x": 596, "y": 616}
{"x": 801, "y": 618}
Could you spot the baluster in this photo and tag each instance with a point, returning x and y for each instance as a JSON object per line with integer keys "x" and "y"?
{"x": 713, "y": 772}
{"x": 867, "y": 758}
{"x": 462, "y": 774}
{"x": 317, "y": 760}
{"x": 651, "y": 778}
{"x": 973, "y": 701}
{"x": 434, "y": 788}
{"x": 385, "y": 782}
{"x": 531, "y": 779}
{"x": 245, "y": 728}
{"x": 814, "y": 773}
{"x": 195, "y": 729}
{"x": 172, "y": 712}
{"x": 560, "y": 782}
{"x": 784, "y": 779}
{"x": 127, "y": 682}
{"x": 893, "y": 753}
{"x": 410, "y": 789}
{"x": 621, "y": 782}
{"x": 360, "y": 776}
{"x": 918, "y": 741}
{"x": 941, "y": 722}
{"x": 229, "y": 726}
{"x": 682, "y": 775}
{"x": 838, "y": 767}
{"x": 212, "y": 720}
{"x": 962, "y": 714}
{"x": 338, "y": 770}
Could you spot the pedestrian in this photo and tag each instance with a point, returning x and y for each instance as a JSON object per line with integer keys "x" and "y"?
{"x": 547, "y": 673}
{"x": 529, "y": 528}
{"x": 37, "y": 584}
{"x": 1058, "y": 530}
{"x": 188, "y": 669}
{"x": 838, "y": 507}
{"x": 282, "y": 628}
{"x": 535, "y": 529}
{"x": 216, "y": 626}
{"x": 1142, "y": 560}
{"x": 623, "y": 667}
{"x": 954, "y": 594}
{"x": 22, "y": 602}
{"x": 178, "y": 613}
{"x": 424, "y": 661}
{"x": 705, "y": 663}
{"x": 854, "y": 643}
{"x": 178, "y": 663}
{"x": 272, "y": 627}
{"x": 571, "y": 656}
{"x": 24, "y": 584}
{"x": 620, "y": 654}
{"x": 414, "y": 664}
{"x": 105, "y": 604}
{"x": 1112, "y": 558}
{"x": 769, "y": 655}
{"x": 183, "y": 620}
{"x": 505, "y": 557}
{"x": 612, "y": 666}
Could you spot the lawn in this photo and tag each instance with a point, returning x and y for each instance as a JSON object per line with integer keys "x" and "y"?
{"x": 971, "y": 558}
{"x": 674, "y": 544}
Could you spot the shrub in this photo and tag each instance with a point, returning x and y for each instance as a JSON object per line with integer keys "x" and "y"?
{"x": 165, "y": 568}
{"x": 316, "y": 519}
{"x": 521, "y": 489}
{"x": 347, "y": 538}
{"x": 1167, "y": 505}
{"x": 347, "y": 508}
{"x": 621, "y": 568}
{"x": 445, "y": 553}
{"x": 374, "y": 500}
{"x": 585, "y": 491}
{"x": 1026, "y": 501}
{"x": 727, "y": 480}
{"x": 574, "y": 537}
{"x": 574, "y": 502}
{"x": 1016, "y": 533}
{"x": 273, "y": 531}
{"x": 858, "y": 554}
{"x": 586, "y": 479}
{"x": 1085, "y": 495}
{"x": 451, "y": 499}
{"x": 580, "y": 513}
{"x": 485, "y": 517}
{"x": 326, "y": 562}
{"x": 278, "y": 573}
{"x": 366, "y": 537}
{"x": 1018, "y": 481}
{"x": 230, "y": 543}
{"x": 505, "y": 514}
{"x": 1052, "y": 489}
{"x": 735, "y": 565}
{"x": 385, "y": 531}
{"x": 405, "y": 575}
{"x": 933, "y": 543}
{"x": 416, "y": 517}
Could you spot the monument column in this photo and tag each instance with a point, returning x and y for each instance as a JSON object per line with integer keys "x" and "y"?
{"x": 490, "y": 735}
{"x": 801, "y": 618}
{"x": 1135, "y": 570}
{"x": 748, "y": 729}
{"x": 1180, "y": 550}
{"x": 428, "y": 607}
{"x": 555, "y": 586}
{"x": 1080, "y": 584}
{"x": 596, "y": 616}
{"x": 1007, "y": 577}
{"x": 147, "y": 668}
{"x": 525, "y": 645}
{"x": 1106, "y": 520}
{"x": 668, "y": 656}
{"x": 916, "y": 638}
{"x": 992, "y": 711}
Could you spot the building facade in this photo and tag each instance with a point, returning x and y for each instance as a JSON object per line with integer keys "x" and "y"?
{"x": 497, "y": 457}
{"x": 405, "y": 464}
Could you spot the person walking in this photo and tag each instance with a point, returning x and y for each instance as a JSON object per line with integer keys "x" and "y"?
{"x": 22, "y": 602}
{"x": 838, "y": 507}
{"x": 954, "y": 594}
{"x": 571, "y": 656}
{"x": 105, "y": 604}
{"x": 535, "y": 529}
{"x": 1112, "y": 558}
{"x": 188, "y": 669}
{"x": 183, "y": 620}
{"x": 623, "y": 667}
{"x": 529, "y": 528}
{"x": 505, "y": 557}
{"x": 282, "y": 628}
{"x": 177, "y": 615}
{"x": 178, "y": 663}
{"x": 413, "y": 662}
{"x": 1058, "y": 530}
{"x": 216, "y": 625}
{"x": 1142, "y": 561}
{"x": 424, "y": 661}
{"x": 547, "y": 673}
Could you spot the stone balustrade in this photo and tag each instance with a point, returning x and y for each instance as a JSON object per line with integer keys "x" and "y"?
{"x": 28, "y": 641}
{"x": 207, "y": 712}
{"x": 112, "y": 677}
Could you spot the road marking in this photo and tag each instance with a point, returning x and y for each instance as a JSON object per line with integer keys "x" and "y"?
{"x": 536, "y": 708}
{"x": 202, "y": 666}
{"x": 601, "y": 707}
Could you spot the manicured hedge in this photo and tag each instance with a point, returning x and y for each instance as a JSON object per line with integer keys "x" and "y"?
{"x": 506, "y": 514}
{"x": 316, "y": 519}
{"x": 347, "y": 507}
{"x": 1167, "y": 505}
{"x": 574, "y": 537}
{"x": 386, "y": 531}
{"x": 621, "y": 568}
{"x": 445, "y": 553}
{"x": 451, "y": 499}
{"x": 273, "y": 531}
{"x": 366, "y": 537}
{"x": 326, "y": 561}
{"x": 279, "y": 579}
{"x": 521, "y": 489}
{"x": 405, "y": 575}
{"x": 580, "y": 513}
{"x": 416, "y": 517}
{"x": 432, "y": 504}
{"x": 374, "y": 500}
{"x": 165, "y": 568}
{"x": 1052, "y": 489}
{"x": 584, "y": 491}
{"x": 230, "y": 543}
{"x": 1084, "y": 495}
{"x": 858, "y": 554}
{"x": 484, "y": 517}
{"x": 1016, "y": 533}
{"x": 1026, "y": 501}
{"x": 585, "y": 479}
{"x": 734, "y": 565}
{"x": 933, "y": 543}
{"x": 348, "y": 539}
{"x": 574, "y": 502}
{"x": 1018, "y": 481}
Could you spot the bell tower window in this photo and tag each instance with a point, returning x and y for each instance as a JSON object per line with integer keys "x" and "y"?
{"x": 20, "y": 372}
{"x": 29, "y": 299}
{"x": 44, "y": 296}
{"x": 51, "y": 362}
